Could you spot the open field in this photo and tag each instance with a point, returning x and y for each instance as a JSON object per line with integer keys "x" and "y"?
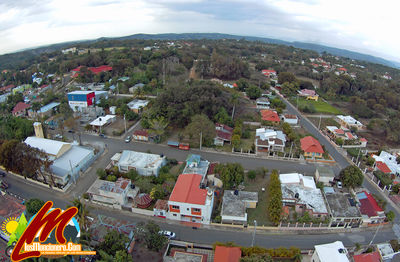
{"x": 260, "y": 213}
{"x": 320, "y": 106}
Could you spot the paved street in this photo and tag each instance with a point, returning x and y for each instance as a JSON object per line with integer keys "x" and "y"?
{"x": 28, "y": 190}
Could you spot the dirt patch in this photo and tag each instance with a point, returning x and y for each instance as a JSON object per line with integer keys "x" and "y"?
{"x": 141, "y": 253}
{"x": 313, "y": 81}
{"x": 117, "y": 128}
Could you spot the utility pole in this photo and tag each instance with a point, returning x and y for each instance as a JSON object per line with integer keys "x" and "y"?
{"x": 319, "y": 125}
{"x": 125, "y": 123}
{"x": 290, "y": 153}
{"x": 100, "y": 124}
{"x": 376, "y": 232}
{"x": 359, "y": 150}
{"x": 254, "y": 232}
{"x": 297, "y": 103}
{"x": 201, "y": 139}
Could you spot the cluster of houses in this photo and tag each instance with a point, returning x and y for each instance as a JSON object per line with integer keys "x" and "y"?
{"x": 346, "y": 131}
{"x": 344, "y": 209}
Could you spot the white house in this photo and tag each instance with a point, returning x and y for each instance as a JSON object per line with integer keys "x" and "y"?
{"x": 349, "y": 122}
{"x": 269, "y": 140}
{"x": 145, "y": 164}
{"x": 262, "y": 103}
{"x": 116, "y": 194}
{"x": 389, "y": 160}
{"x": 331, "y": 252}
{"x": 190, "y": 201}
{"x": 290, "y": 119}
{"x": 103, "y": 120}
{"x": 137, "y": 105}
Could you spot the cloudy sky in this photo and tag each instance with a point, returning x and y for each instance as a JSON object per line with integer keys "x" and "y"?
{"x": 359, "y": 25}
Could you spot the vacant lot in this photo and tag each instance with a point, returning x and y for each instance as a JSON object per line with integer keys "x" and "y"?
{"x": 260, "y": 213}
{"x": 320, "y": 106}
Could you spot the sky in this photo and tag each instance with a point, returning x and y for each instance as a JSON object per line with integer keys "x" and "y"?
{"x": 359, "y": 25}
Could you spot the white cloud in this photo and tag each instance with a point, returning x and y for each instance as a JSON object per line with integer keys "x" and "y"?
{"x": 366, "y": 26}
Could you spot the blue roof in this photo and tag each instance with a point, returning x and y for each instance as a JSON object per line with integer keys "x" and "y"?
{"x": 112, "y": 87}
{"x": 48, "y": 107}
{"x": 193, "y": 158}
{"x": 328, "y": 190}
{"x": 361, "y": 195}
{"x": 173, "y": 143}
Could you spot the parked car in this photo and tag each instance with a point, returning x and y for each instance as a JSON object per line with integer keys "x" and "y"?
{"x": 2, "y": 174}
{"x": 339, "y": 185}
{"x": 57, "y": 136}
{"x": 168, "y": 234}
{"x": 71, "y": 131}
{"x": 128, "y": 139}
{"x": 102, "y": 136}
{"x": 3, "y": 184}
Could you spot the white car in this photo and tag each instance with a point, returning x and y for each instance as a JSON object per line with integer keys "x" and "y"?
{"x": 168, "y": 234}
{"x": 128, "y": 139}
{"x": 339, "y": 185}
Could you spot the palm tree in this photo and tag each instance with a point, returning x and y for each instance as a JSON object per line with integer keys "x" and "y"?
{"x": 234, "y": 100}
{"x": 158, "y": 125}
{"x": 83, "y": 213}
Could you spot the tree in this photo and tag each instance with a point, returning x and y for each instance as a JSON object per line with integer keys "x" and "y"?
{"x": 252, "y": 174}
{"x": 82, "y": 215}
{"x": 201, "y": 124}
{"x": 288, "y": 77}
{"x": 236, "y": 141}
{"x": 122, "y": 256}
{"x": 351, "y": 176}
{"x": 158, "y": 125}
{"x": 222, "y": 117}
{"x": 234, "y": 100}
{"x": 257, "y": 258}
{"x": 274, "y": 204}
{"x": 253, "y": 92}
{"x": 242, "y": 84}
{"x": 113, "y": 242}
{"x": 33, "y": 205}
{"x": 153, "y": 239}
{"x": 390, "y": 216}
{"x": 231, "y": 174}
{"x": 157, "y": 192}
{"x": 101, "y": 173}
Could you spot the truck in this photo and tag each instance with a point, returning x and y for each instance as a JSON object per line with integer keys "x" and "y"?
{"x": 182, "y": 146}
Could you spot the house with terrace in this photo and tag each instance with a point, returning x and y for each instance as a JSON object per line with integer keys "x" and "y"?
{"x": 234, "y": 205}
{"x": 308, "y": 94}
{"x": 269, "y": 140}
{"x": 371, "y": 212}
{"x": 300, "y": 192}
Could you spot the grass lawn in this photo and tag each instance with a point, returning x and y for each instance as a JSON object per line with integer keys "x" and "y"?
{"x": 260, "y": 212}
{"x": 320, "y": 106}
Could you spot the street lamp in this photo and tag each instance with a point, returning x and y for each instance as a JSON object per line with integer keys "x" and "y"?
{"x": 254, "y": 232}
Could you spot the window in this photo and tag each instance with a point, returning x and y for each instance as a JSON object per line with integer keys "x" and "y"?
{"x": 187, "y": 209}
{"x": 174, "y": 215}
{"x": 175, "y": 207}
{"x": 196, "y": 210}
{"x": 319, "y": 215}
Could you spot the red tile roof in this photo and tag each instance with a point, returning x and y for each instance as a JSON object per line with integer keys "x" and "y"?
{"x": 211, "y": 168}
{"x": 339, "y": 131}
{"x": 342, "y": 69}
{"x": 161, "y": 204}
{"x": 94, "y": 70}
{"x": 224, "y": 127}
{"x": 368, "y": 257}
{"x": 20, "y": 107}
{"x": 187, "y": 190}
{"x": 141, "y": 133}
{"x": 287, "y": 116}
{"x": 227, "y": 254}
{"x": 143, "y": 200}
{"x": 10, "y": 207}
{"x": 349, "y": 135}
{"x": 311, "y": 145}
{"x": 369, "y": 206}
{"x": 383, "y": 167}
{"x": 269, "y": 115}
{"x": 363, "y": 139}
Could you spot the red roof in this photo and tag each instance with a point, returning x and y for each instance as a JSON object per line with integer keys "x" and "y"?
{"x": 6, "y": 88}
{"x": 349, "y": 135}
{"x": 143, "y": 200}
{"x": 363, "y": 139}
{"x": 20, "y": 107}
{"x": 287, "y": 116}
{"x": 269, "y": 115}
{"x": 342, "y": 69}
{"x": 227, "y": 254}
{"x": 369, "y": 206}
{"x": 140, "y": 133}
{"x": 224, "y": 135}
{"x": 224, "y": 127}
{"x": 211, "y": 168}
{"x": 161, "y": 204}
{"x": 307, "y": 92}
{"x": 268, "y": 72}
{"x": 339, "y": 131}
{"x": 94, "y": 70}
{"x": 187, "y": 190}
{"x": 311, "y": 145}
{"x": 383, "y": 167}
{"x": 368, "y": 257}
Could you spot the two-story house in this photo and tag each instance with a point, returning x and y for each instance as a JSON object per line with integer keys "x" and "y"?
{"x": 190, "y": 200}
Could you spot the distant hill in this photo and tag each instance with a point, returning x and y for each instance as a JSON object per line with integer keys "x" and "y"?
{"x": 315, "y": 47}
{"x": 9, "y": 60}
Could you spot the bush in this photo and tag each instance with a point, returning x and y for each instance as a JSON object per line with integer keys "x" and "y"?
{"x": 172, "y": 161}
{"x": 101, "y": 173}
{"x": 381, "y": 202}
{"x": 217, "y": 219}
{"x": 252, "y": 174}
{"x": 385, "y": 179}
{"x": 395, "y": 245}
{"x": 390, "y": 216}
{"x": 111, "y": 178}
{"x": 85, "y": 195}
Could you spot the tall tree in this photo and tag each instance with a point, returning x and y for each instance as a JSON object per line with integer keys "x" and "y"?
{"x": 351, "y": 176}
{"x": 201, "y": 125}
